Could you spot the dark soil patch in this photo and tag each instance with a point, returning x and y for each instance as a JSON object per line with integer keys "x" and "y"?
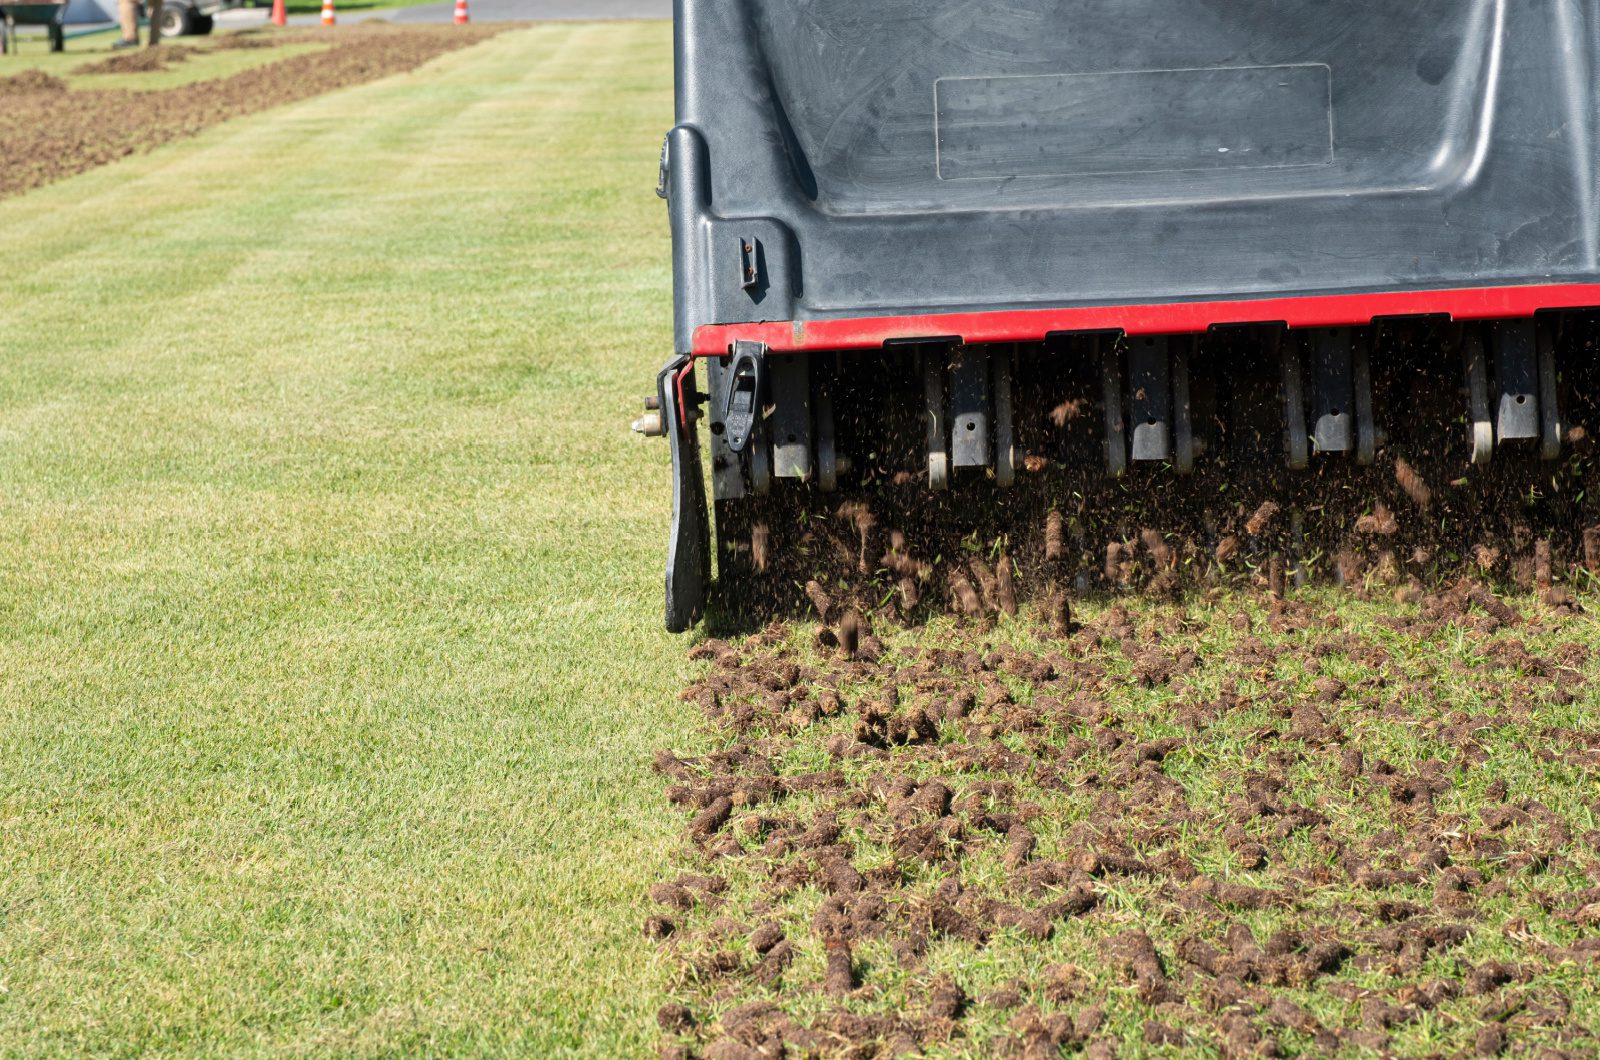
{"x": 138, "y": 61}
{"x": 51, "y": 132}
{"x": 237, "y": 41}
{"x": 28, "y": 83}
{"x": 1248, "y": 824}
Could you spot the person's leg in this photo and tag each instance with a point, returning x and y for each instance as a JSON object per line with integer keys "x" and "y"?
{"x": 152, "y": 8}
{"x": 128, "y": 15}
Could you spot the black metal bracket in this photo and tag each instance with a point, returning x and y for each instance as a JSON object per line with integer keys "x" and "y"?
{"x": 1150, "y": 398}
{"x": 664, "y": 173}
{"x": 969, "y": 407}
{"x": 749, "y": 262}
{"x": 1514, "y": 348}
{"x": 1333, "y": 390}
{"x": 744, "y": 393}
{"x": 689, "y": 546}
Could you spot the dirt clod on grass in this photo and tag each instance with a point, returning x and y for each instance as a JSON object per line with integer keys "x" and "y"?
{"x": 29, "y": 83}
{"x": 51, "y": 131}
{"x": 1242, "y": 823}
{"x": 138, "y": 61}
{"x": 243, "y": 40}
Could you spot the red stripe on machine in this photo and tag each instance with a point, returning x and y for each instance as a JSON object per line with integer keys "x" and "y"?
{"x": 1176, "y": 318}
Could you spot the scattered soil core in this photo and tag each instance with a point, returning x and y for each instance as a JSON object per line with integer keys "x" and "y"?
{"x": 1245, "y": 823}
{"x": 30, "y": 82}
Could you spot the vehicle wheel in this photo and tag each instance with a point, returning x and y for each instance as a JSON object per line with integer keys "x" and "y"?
{"x": 177, "y": 20}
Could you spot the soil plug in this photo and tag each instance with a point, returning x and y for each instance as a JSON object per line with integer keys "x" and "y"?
{"x": 1492, "y": 605}
{"x": 819, "y": 600}
{"x": 841, "y": 976}
{"x": 1275, "y": 576}
{"x": 1161, "y": 553}
{"x": 765, "y": 937}
{"x": 1387, "y": 569}
{"x": 865, "y": 521}
{"x": 1055, "y": 547}
{"x": 1139, "y": 958}
{"x": 760, "y": 546}
{"x": 1005, "y": 587}
{"x": 987, "y": 584}
{"x": 710, "y": 820}
{"x": 1060, "y": 616}
{"x": 1067, "y": 411}
{"x": 910, "y": 595}
{"x": 1019, "y": 846}
{"x": 1259, "y": 522}
{"x": 1381, "y": 522}
{"x": 966, "y": 597}
{"x": 1413, "y": 483}
{"x": 1347, "y": 568}
{"x": 774, "y": 963}
{"x": 674, "y": 1019}
{"x": 946, "y": 999}
{"x": 1491, "y": 1040}
{"x": 1113, "y": 566}
{"x": 1541, "y": 565}
{"x": 850, "y": 630}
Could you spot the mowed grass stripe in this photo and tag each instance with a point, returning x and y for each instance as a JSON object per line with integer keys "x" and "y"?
{"x": 329, "y": 573}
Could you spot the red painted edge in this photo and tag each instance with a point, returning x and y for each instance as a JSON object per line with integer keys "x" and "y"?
{"x": 1176, "y": 318}
{"x": 683, "y": 405}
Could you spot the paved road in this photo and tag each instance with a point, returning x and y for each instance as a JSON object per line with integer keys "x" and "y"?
{"x": 480, "y": 11}
{"x": 535, "y": 10}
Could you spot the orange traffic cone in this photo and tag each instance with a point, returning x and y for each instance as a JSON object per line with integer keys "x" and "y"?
{"x": 327, "y": 13}
{"x": 461, "y": 12}
{"x": 280, "y": 17}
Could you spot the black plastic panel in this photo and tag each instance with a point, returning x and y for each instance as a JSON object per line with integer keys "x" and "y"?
{"x": 904, "y": 156}
{"x": 1132, "y": 123}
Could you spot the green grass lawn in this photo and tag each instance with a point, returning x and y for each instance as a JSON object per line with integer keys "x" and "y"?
{"x": 329, "y": 573}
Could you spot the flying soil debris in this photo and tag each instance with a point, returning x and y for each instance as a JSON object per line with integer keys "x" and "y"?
{"x": 1056, "y": 291}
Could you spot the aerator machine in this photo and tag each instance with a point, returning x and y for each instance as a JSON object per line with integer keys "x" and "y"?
{"x": 938, "y": 252}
